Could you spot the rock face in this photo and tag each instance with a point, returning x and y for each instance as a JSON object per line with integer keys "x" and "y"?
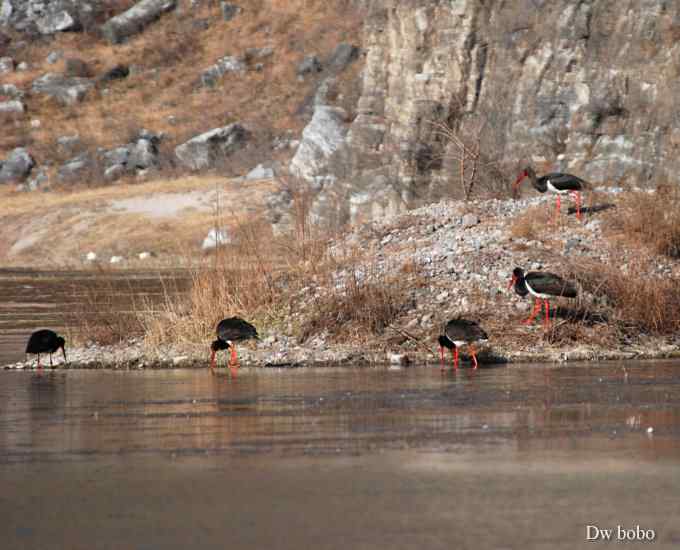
{"x": 205, "y": 150}
{"x": 132, "y": 21}
{"x": 67, "y": 91}
{"x": 16, "y": 166}
{"x": 580, "y": 87}
{"x": 321, "y": 138}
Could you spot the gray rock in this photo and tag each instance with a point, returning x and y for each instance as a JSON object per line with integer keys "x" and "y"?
{"x": 342, "y": 56}
{"x": 68, "y": 144}
{"x": 143, "y": 154}
{"x": 75, "y": 168}
{"x": 57, "y": 21}
{"x": 260, "y": 172}
{"x": 54, "y": 56}
{"x": 229, "y": 11}
{"x": 321, "y": 138}
{"x": 115, "y": 172}
{"x": 133, "y": 21}
{"x": 204, "y": 150}
{"x": 228, "y": 64}
{"x": 117, "y": 156}
{"x": 23, "y": 66}
{"x": 469, "y": 220}
{"x": 13, "y": 106}
{"x": 310, "y": 64}
{"x": 6, "y": 65}
{"x": 67, "y": 91}
{"x": 16, "y": 166}
{"x": 40, "y": 181}
{"x": 256, "y": 54}
{"x": 11, "y": 91}
{"x": 215, "y": 238}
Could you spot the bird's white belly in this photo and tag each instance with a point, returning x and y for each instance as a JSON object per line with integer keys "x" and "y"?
{"x": 554, "y": 189}
{"x": 459, "y": 343}
{"x": 537, "y": 294}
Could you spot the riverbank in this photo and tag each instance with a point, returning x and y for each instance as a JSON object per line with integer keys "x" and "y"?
{"x": 381, "y": 293}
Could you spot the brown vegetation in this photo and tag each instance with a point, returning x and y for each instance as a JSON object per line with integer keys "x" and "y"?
{"x": 162, "y": 94}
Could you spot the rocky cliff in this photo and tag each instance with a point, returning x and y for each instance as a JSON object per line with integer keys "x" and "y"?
{"x": 584, "y": 86}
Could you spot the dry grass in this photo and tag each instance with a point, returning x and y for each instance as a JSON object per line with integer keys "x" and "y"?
{"x": 72, "y": 224}
{"x": 531, "y": 223}
{"x": 635, "y": 301}
{"x": 169, "y": 57}
{"x": 651, "y": 220}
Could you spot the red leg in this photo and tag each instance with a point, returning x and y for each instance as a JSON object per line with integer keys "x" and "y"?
{"x": 474, "y": 357}
{"x": 233, "y": 361}
{"x": 455, "y": 358}
{"x": 441, "y": 355}
{"x": 546, "y": 321}
{"x": 577, "y": 198}
{"x": 558, "y": 205}
{"x": 534, "y": 312}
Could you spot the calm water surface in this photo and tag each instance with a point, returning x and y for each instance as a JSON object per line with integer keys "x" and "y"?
{"x": 510, "y": 457}
{"x": 521, "y": 456}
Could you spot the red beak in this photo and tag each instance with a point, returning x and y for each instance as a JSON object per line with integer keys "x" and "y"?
{"x": 512, "y": 282}
{"x": 519, "y": 179}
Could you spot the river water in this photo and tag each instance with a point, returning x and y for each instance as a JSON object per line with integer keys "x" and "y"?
{"x": 519, "y": 456}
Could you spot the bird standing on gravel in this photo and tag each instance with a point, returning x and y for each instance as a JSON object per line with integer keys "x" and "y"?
{"x": 541, "y": 285}
{"x": 556, "y": 183}
{"x": 458, "y": 333}
{"x": 233, "y": 329}
{"x": 45, "y": 341}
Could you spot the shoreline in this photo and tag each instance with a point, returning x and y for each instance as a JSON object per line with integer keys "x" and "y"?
{"x": 131, "y": 358}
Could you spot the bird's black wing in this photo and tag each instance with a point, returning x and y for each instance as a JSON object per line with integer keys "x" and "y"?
{"x": 463, "y": 329}
{"x": 235, "y": 328}
{"x": 41, "y": 341}
{"x": 549, "y": 283}
{"x": 565, "y": 182}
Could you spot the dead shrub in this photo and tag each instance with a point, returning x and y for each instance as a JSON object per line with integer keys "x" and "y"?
{"x": 363, "y": 306}
{"x": 651, "y": 219}
{"x": 639, "y": 301}
{"x": 530, "y": 224}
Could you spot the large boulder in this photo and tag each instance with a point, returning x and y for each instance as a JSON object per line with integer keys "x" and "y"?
{"x": 204, "y": 150}
{"x": 67, "y": 91}
{"x": 16, "y": 166}
{"x": 132, "y": 21}
{"x": 321, "y": 138}
{"x": 46, "y": 16}
{"x": 76, "y": 168}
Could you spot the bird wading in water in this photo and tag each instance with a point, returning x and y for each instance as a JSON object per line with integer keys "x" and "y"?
{"x": 45, "y": 341}
{"x": 458, "y": 333}
{"x": 229, "y": 331}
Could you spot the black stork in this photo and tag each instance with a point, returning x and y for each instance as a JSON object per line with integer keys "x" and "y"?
{"x": 542, "y": 286}
{"x": 557, "y": 183}
{"x": 45, "y": 341}
{"x": 233, "y": 329}
{"x": 458, "y": 333}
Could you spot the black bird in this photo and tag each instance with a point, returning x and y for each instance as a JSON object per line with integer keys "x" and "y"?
{"x": 233, "y": 329}
{"x": 457, "y": 333}
{"x": 45, "y": 341}
{"x": 541, "y": 285}
{"x": 556, "y": 183}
